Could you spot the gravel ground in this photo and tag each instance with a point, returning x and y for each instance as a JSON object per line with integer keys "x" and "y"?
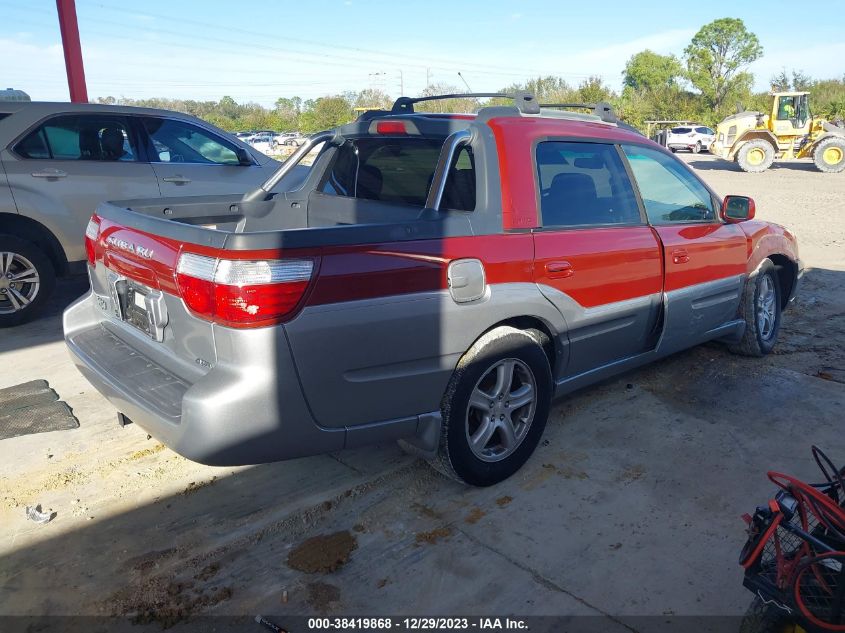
{"x": 630, "y": 507}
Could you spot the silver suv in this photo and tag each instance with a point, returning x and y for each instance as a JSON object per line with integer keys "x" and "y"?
{"x": 58, "y": 161}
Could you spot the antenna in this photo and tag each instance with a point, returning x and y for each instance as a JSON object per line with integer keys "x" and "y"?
{"x": 465, "y": 81}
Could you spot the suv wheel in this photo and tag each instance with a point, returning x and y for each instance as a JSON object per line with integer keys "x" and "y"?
{"x": 697, "y": 148}
{"x": 27, "y": 279}
{"x": 495, "y": 408}
{"x": 761, "y": 311}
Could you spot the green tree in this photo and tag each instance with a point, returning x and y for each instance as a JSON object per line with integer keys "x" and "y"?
{"x": 649, "y": 70}
{"x": 373, "y": 99}
{"x": 593, "y": 90}
{"x": 716, "y": 58}
{"x": 325, "y": 113}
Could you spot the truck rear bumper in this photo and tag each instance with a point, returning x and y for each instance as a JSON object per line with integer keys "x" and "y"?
{"x": 233, "y": 415}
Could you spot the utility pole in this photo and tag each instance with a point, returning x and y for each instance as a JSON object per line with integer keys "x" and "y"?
{"x": 73, "y": 51}
{"x": 401, "y": 84}
{"x": 427, "y": 77}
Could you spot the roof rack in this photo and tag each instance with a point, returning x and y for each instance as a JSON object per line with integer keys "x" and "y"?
{"x": 601, "y": 109}
{"x": 524, "y": 101}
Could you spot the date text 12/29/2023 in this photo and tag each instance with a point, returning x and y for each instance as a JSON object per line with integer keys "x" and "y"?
{"x": 416, "y": 624}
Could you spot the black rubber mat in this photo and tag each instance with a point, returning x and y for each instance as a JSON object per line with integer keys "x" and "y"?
{"x": 25, "y": 395}
{"x": 33, "y": 407}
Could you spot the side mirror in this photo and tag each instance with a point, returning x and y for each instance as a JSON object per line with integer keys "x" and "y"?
{"x": 737, "y": 209}
{"x": 243, "y": 157}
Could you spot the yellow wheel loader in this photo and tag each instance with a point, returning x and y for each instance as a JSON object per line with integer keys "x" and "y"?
{"x": 756, "y": 139}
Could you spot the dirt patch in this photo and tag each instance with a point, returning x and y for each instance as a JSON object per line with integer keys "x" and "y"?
{"x": 321, "y": 595}
{"x": 432, "y": 536}
{"x": 474, "y": 516}
{"x": 163, "y": 602}
{"x": 150, "y": 560}
{"x": 146, "y": 452}
{"x": 209, "y": 571}
{"x": 382, "y": 583}
{"x": 426, "y": 511}
{"x": 322, "y": 554}
{"x": 503, "y": 501}
{"x": 194, "y": 486}
{"x": 630, "y": 474}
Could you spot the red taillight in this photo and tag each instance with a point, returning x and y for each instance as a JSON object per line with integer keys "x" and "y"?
{"x": 92, "y": 232}
{"x": 391, "y": 127}
{"x": 242, "y": 293}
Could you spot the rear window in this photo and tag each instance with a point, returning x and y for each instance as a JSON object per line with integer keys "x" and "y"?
{"x": 681, "y": 130}
{"x": 399, "y": 170}
{"x": 83, "y": 137}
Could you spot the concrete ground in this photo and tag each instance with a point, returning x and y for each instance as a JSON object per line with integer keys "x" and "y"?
{"x": 631, "y": 506}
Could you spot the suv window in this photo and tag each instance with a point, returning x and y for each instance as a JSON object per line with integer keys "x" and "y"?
{"x": 703, "y": 130}
{"x": 400, "y": 170}
{"x": 669, "y": 192}
{"x": 80, "y": 137}
{"x": 681, "y": 130}
{"x": 181, "y": 142}
{"x": 584, "y": 184}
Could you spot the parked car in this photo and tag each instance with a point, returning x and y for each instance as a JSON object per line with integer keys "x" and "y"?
{"x": 60, "y": 160}
{"x": 295, "y": 139}
{"x": 436, "y": 279}
{"x": 690, "y": 137}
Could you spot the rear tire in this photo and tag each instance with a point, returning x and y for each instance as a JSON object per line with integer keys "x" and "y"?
{"x": 495, "y": 408}
{"x": 697, "y": 148}
{"x": 829, "y": 155}
{"x": 755, "y": 156}
{"x": 766, "y": 618}
{"x": 761, "y": 310}
{"x": 27, "y": 279}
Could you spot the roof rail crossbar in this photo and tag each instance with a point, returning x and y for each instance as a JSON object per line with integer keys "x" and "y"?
{"x": 602, "y": 109}
{"x": 524, "y": 101}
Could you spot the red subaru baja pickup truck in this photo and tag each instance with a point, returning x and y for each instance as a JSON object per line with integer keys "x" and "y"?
{"x": 435, "y": 279}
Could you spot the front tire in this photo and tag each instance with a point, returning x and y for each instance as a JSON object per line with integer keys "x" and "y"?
{"x": 495, "y": 408}
{"x": 829, "y": 155}
{"x": 755, "y": 156}
{"x": 761, "y": 310}
{"x": 27, "y": 279}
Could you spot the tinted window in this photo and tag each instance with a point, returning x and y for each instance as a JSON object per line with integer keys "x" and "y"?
{"x": 681, "y": 130}
{"x": 400, "y": 171}
{"x": 670, "y": 193}
{"x": 703, "y": 130}
{"x": 83, "y": 137}
{"x": 583, "y": 184}
{"x": 181, "y": 142}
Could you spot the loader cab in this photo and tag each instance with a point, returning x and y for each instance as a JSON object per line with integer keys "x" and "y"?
{"x": 791, "y": 113}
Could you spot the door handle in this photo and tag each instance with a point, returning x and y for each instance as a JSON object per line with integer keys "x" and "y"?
{"x": 559, "y": 270}
{"x": 49, "y": 173}
{"x": 680, "y": 256}
{"x": 178, "y": 180}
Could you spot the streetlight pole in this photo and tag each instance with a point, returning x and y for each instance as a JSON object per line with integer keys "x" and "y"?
{"x": 73, "y": 51}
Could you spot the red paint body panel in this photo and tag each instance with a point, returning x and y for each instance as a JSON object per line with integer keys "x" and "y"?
{"x": 607, "y": 264}
{"x": 705, "y": 252}
{"x": 765, "y": 239}
{"x": 352, "y": 273}
{"x": 515, "y": 138}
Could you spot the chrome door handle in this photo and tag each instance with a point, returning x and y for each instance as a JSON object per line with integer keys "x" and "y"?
{"x": 178, "y": 180}
{"x": 49, "y": 173}
{"x": 560, "y": 269}
{"x": 680, "y": 256}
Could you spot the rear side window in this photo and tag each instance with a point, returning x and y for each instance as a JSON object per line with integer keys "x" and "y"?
{"x": 670, "y": 193}
{"x": 181, "y": 142}
{"x": 703, "y": 130}
{"x": 400, "y": 170}
{"x": 80, "y": 137}
{"x": 584, "y": 184}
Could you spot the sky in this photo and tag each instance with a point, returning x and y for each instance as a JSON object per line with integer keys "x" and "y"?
{"x": 260, "y": 50}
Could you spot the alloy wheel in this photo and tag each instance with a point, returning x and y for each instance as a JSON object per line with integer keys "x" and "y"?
{"x": 19, "y": 282}
{"x": 501, "y": 409}
{"x": 766, "y": 309}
